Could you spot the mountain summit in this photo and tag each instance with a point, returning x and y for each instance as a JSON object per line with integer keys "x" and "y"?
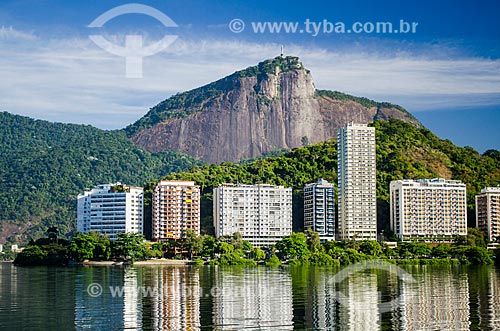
{"x": 270, "y": 106}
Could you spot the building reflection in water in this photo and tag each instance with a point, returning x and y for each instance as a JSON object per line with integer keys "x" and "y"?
{"x": 438, "y": 301}
{"x": 119, "y": 305}
{"x": 359, "y": 310}
{"x": 260, "y": 300}
{"x": 175, "y": 305}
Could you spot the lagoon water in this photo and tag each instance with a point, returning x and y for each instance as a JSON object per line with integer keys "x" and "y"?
{"x": 255, "y": 298}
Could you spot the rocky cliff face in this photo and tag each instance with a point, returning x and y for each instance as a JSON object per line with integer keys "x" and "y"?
{"x": 258, "y": 110}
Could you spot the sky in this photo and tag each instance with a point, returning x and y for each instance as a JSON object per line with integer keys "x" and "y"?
{"x": 443, "y": 64}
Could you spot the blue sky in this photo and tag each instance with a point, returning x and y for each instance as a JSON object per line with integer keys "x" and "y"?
{"x": 447, "y": 73}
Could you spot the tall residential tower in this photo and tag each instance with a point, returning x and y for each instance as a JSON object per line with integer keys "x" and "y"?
{"x": 488, "y": 212}
{"x": 176, "y": 208}
{"x": 319, "y": 208}
{"x": 357, "y": 197}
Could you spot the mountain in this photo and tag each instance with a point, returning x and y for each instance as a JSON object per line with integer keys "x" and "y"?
{"x": 403, "y": 152}
{"x": 43, "y": 166}
{"x": 263, "y": 108}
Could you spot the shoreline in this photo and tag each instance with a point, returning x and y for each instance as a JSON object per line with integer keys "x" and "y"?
{"x": 137, "y": 263}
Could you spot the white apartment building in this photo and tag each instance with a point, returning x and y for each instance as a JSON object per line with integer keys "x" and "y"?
{"x": 261, "y": 213}
{"x": 319, "y": 209}
{"x": 176, "y": 208}
{"x": 431, "y": 210}
{"x": 111, "y": 209}
{"x": 357, "y": 185}
{"x": 488, "y": 212}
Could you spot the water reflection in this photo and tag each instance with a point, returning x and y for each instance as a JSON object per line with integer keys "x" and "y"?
{"x": 361, "y": 309}
{"x": 258, "y": 300}
{"x": 214, "y": 298}
{"x": 175, "y": 305}
{"x": 439, "y": 301}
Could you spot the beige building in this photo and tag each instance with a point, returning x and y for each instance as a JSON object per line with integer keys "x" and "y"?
{"x": 430, "y": 210}
{"x": 176, "y": 208}
{"x": 357, "y": 183}
{"x": 488, "y": 212}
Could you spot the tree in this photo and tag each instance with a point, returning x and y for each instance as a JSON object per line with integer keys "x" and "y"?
{"x": 129, "y": 246}
{"x": 478, "y": 255}
{"x": 237, "y": 240}
{"x": 441, "y": 251}
{"x": 371, "y": 247}
{"x": 258, "y": 254}
{"x": 223, "y": 247}
{"x": 313, "y": 240}
{"x": 293, "y": 246}
{"x": 92, "y": 245}
{"x": 475, "y": 237}
{"x": 31, "y": 255}
{"x": 192, "y": 242}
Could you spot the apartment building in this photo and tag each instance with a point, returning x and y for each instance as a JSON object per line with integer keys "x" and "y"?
{"x": 488, "y": 212}
{"x": 357, "y": 186}
{"x": 176, "y": 208}
{"x": 111, "y": 209}
{"x": 430, "y": 210}
{"x": 319, "y": 209}
{"x": 261, "y": 213}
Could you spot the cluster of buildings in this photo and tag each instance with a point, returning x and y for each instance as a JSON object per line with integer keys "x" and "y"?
{"x": 426, "y": 209}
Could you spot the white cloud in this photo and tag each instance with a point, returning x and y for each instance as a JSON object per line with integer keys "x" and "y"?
{"x": 72, "y": 80}
{"x": 9, "y": 33}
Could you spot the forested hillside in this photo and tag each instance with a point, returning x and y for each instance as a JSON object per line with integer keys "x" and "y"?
{"x": 403, "y": 151}
{"x": 43, "y": 166}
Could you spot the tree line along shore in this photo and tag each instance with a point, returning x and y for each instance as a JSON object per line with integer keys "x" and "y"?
{"x": 299, "y": 248}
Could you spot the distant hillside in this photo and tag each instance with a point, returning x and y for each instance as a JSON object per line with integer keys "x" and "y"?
{"x": 271, "y": 106}
{"x": 43, "y": 166}
{"x": 403, "y": 151}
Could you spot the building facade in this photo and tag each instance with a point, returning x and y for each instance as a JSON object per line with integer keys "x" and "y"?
{"x": 261, "y": 213}
{"x": 488, "y": 212}
{"x": 111, "y": 209}
{"x": 430, "y": 210}
{"x": 176, "y": 208}
{"x": 319, "y": 209}
{"x": 357, "y": 186}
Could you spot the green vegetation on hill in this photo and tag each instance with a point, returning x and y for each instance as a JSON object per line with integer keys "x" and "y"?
{"x": 403, "y": 152}
{"x": 43, "y": 166}
{"x": 336, "y": 95}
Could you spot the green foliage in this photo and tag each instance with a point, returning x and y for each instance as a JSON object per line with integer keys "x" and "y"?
{"x": 129, "y": 246}
{"x": 258, "y": 254}
{"x": 192, "y": 242}
{"x": 45, "y": 165}
{"x": 371, "y": 247}
{"x": 273, "y": 261}
{"x": 322, "y": 259}
{"x": 478, "y": 255}
{"x": 336, "y": 95}
{"x": 313, "y": 240}
{"x": 31, "y": 256}
{"x": 413, "y": 249}
{"x": 441, "y": 251}
{"x": 93, "y": 245}
{"x": 293, "y": 246}
{"x": 234, "y": 258}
